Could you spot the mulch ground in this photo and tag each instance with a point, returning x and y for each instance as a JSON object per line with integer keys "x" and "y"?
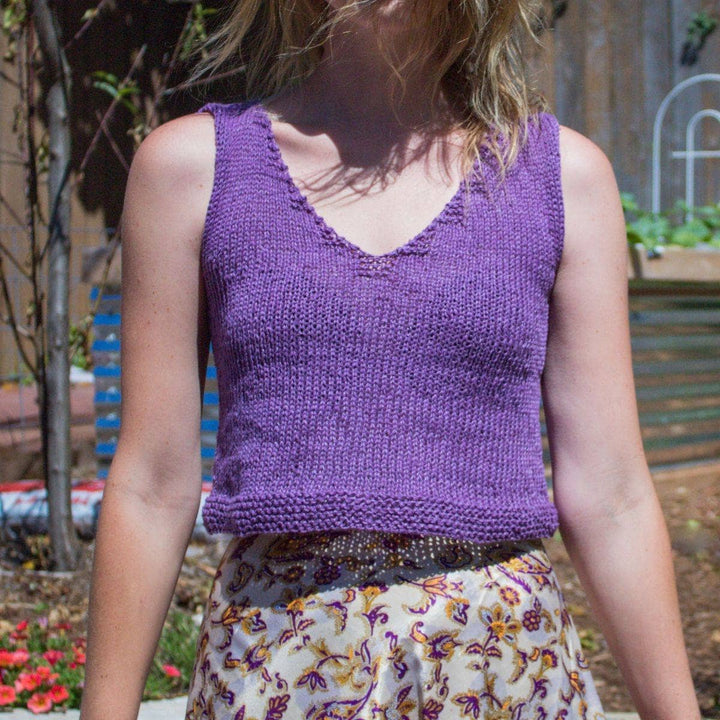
{"x": 691, "y": 502}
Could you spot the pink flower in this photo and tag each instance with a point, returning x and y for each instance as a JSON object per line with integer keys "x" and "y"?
{"x": 171, "y": 671}
{"x": 27, "y": 681}
{"x": 7, "y": 695}
{"x": 7, "y": 658}
{"x": 58, "y": 693}
{"x": 40, "y": 703}
{"x": 19, "y": 632}
{"x": 45, "y": 673}
{"x": 53, "y": 656}
{"x": 20, "y": 657}
{"x": 79, "y": 655}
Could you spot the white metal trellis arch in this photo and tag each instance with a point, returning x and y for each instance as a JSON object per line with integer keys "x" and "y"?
{"x": 690, "y": 153}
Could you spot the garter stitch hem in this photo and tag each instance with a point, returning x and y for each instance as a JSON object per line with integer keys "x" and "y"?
{"x": 398, "y": 392}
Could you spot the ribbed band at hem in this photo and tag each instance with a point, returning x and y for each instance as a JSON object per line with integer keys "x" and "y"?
{"x": 342, "y": 511}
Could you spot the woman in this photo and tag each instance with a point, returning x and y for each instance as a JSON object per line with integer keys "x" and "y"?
{"x": 394, "y": 251}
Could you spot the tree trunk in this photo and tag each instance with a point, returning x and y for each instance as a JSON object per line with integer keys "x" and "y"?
{"x": 63, "y": 538}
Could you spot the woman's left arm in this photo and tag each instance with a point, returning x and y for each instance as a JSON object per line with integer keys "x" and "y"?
{"x": 610, "y": 517}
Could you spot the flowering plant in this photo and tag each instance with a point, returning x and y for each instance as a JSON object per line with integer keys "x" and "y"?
{"x": 42, "y": 666}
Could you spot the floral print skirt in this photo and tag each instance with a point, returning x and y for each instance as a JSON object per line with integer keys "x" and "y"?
{"x": 373, "y": 625}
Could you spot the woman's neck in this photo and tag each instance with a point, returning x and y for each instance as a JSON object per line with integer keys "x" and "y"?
{"x": 355, "y": 86}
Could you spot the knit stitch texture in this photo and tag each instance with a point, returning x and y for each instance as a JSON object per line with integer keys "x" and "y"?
{"x": 398, "y": 392}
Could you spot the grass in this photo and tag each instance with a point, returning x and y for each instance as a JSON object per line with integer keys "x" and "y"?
{"x": 176, "y": 650}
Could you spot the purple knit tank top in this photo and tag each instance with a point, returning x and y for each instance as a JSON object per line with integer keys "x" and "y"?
{"x": 398, "y": 392}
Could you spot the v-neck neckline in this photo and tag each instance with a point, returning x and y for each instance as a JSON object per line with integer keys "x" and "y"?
{"x": 417, "y": 243}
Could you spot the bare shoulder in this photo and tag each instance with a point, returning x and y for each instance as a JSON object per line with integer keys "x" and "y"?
{"x": 179, "y": 150}
{"x": 594, "y": 222}
{"x": 583, "y": 163}
{"x": 171, "y": 177}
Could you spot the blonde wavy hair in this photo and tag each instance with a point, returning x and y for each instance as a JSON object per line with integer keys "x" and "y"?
{"x": 478, "y": 45}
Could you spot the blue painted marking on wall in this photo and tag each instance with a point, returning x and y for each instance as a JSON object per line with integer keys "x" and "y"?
{"x": 107, "y": 423}
{"x": 107, "y": 398}
{"x": 105, "y": 449}
{"x": 95, "y": 291}
{"x": 106, "y": 346}
{"x": 106, "y": 319}
{"x": 107, "y": 371}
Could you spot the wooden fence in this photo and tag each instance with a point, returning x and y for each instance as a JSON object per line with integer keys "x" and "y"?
{"x": 675, "y": 329}
{"x": 606, "y": 68}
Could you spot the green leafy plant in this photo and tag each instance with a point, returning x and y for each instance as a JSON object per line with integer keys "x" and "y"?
{"x": 79, "y": 341}
{"x": 14, "y": 15}
{"x": 121, "y": 90}
{"x": 195, "y": 32}
{"x": 681, "y": 225}
{"x": 588, "y": 640}
{"x": 700, "y": 27}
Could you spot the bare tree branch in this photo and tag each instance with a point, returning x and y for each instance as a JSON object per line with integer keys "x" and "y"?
{"x": 89, "y": 22}
{"x": 26, "y": 83}
{"x": 171, "y": 65}
{"x": 11, "y": 321}
{"x": 109, "y": 112}
{"x": 113, "y": 144}
{"x": 15, "y": 263}
{"x": 8, "y": 79}
{"x": 11, "y": 210}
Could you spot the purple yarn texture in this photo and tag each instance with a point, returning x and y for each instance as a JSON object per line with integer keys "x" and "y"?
{"x": 398, "y": 392}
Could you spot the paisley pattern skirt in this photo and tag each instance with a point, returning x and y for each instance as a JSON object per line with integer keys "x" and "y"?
{"x": 372, "y": 625}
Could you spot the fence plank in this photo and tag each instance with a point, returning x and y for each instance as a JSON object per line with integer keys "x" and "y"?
{"x": 628, "y": 127}
{"x": 598, "y": 75}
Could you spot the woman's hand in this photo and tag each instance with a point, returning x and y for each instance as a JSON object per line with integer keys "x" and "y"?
{"x": 153, "y": 490}
{"x": 610, "y": 517}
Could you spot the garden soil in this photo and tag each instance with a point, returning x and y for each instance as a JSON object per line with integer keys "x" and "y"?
{"x": 690, "y": 500}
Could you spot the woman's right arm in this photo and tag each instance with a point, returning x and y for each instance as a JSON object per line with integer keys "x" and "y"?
{"x": 152, "y": 492}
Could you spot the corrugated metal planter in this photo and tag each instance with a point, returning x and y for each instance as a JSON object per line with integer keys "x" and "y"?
{"x": 699, "y": 263}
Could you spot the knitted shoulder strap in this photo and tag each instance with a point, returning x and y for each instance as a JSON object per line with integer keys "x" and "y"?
{"x": 542, "y": 153}
{"x": 551, "y": 138}
{"x": 228, "y": 136}
{"x": 226, "y": 116}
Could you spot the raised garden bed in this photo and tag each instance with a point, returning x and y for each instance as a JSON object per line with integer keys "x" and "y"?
{"x": 699, "y": 263}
